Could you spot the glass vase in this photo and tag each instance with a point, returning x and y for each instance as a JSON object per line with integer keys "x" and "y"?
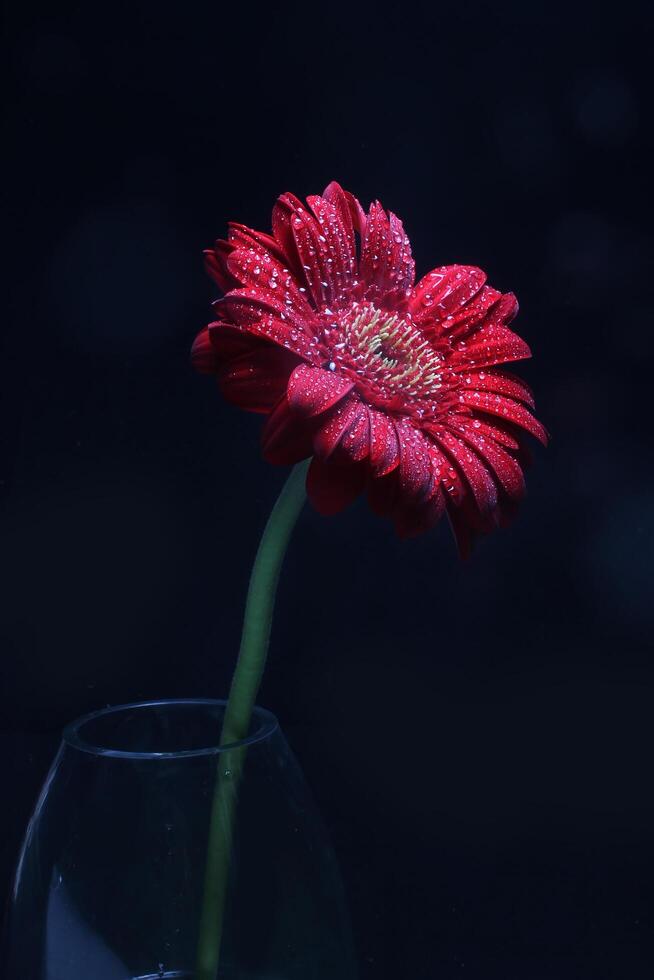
{"x": 109, "y": 883}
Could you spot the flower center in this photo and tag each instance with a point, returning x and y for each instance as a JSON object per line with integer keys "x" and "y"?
{"x": 385, "y": 353}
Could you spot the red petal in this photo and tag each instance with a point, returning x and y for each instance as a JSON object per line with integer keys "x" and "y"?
{"x": 203, "y": 355}
{"x": 375, "y": 248}
{"x": 508, "y": 409}
{"x": 334, "y": 427}
{"x": 228, "y": 340}
{"x": 402, "y": 260}
{"x": 445, "y": 290}
{"x": 500, "y": 383}
{"x": 283, "y": 211}
{"x": 412, "y": 521}
{"x": 410, "y": 515}
{"x": 331, "y": 488}
{"x": 355, "y": 444}
{"x": 384, "y": 445}
{"x": 313, "y": 251}
{"x": 348, "y": 207}
{"x": 463, "y": 512}
{"x": 506, "y": 309}
{"x": 341, "y": 258}
{"x": 386, "y": 263}
{"x": 255, "y": 267}
{"x": 475, "y": 474}
{"x": 256, "y": 380}
{"x": 415, "y": 470}
{"x": 487, "y": 346}
{"x": 383, "y": 494}
{"x": 263, "y": 314}
{"x": 459, "y": 324}
{"x": 507, "y": 471}
{"x": 498, "y": 433}
{"x": 321, "y": 253}
{"x": 312, "y": 390}
{"x": 241, "y": 235}
{"x": 286, "y": 438}
{"x": 215, "y": 261}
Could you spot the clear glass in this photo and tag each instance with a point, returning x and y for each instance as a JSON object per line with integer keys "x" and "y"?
{"x": 109, "y": 881}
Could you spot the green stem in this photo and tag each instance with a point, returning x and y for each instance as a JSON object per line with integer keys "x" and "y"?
{"x": 236, "y": 724}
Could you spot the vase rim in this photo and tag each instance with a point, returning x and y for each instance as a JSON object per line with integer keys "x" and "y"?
{"x": 266, "y": 725}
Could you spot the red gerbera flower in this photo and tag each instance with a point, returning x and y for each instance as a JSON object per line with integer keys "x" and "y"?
{"x": 391, "y": 386}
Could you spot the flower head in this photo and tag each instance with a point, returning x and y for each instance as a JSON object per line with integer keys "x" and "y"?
{"x": 392, "y": 386}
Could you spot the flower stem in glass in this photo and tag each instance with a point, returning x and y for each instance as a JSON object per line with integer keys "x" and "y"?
{"x": 238, "y": 713}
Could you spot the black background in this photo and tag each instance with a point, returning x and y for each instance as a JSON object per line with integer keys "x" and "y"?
{"x": 478, "y": 735}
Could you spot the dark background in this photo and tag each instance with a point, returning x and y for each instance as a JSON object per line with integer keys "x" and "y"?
{"x": 478, "y": 735}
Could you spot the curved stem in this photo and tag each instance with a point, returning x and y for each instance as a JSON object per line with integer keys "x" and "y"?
{"x": 236, "y": 724}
